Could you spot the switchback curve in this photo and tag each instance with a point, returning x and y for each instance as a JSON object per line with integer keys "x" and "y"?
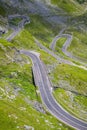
{"x": 42, "y": 81}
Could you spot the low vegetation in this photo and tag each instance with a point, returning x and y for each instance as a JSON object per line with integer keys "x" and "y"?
{"x": 15, "y": 21}
{"x": 70, "y": 88}
{"x": 78, "y": 45}
{"x": 72, "y": 102}
{"x": 2, "y": 11}
{"x": 41, "y": 29}
{"x": 70, "y": 7}
{"x": 81, "y": 1}
{"x": 18, "y": 94}
{"x": 59, "y": 45}
{"x": 21, "y": 105}
{"x": 70, "y": 78}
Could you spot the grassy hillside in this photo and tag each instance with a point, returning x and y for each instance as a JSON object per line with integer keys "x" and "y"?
{"x": 20, "y": 100}
{"x": 78, "y": 45}
{"x": 21, "y": 105}
{"x": 70, "y": 6}
{"x": 2, "y": 11}
{"x": 71, "y": 79}
{"x": 70, "y": 88}
{"x": 41, "y": 29}
{"x": 81, "y": 1}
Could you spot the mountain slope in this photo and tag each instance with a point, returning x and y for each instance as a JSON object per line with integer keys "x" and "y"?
{"x": 19, "y": 97}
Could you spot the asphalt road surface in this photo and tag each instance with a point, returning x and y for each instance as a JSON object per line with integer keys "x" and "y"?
{"x": 42, "y": 81}
{"x": 60, "y": 59}
{"x": 65, "y": 45}
{"x": 25, "y": 20}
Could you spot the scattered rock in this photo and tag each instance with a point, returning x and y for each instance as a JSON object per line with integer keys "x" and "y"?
{"x": 13, "y": 74}
{"x": 26, "y": 127}
{"x": 37, "y": 120}
{"x": 16, "y": 90}
{"x": 22, "y": 108}
{"x": 66, "y": 85}
{"x": 51, "y": 67}
{"x": 46, "y": 121}
{"x": 60, "y": 124}
{"x": 12, "y": 97}
{"x": 2, "y": 47}
{"x": 36, "y": 105}
{"x": 0, "y": 97}
{"x": 39, "y": 107}
{"x": 18, "y": 127}
{"x": 13, "y": 116}
{"x": 59, "y": 129}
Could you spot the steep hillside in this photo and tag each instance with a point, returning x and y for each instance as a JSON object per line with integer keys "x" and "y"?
{"x": 20, "y": 100}
{"x": 71, "y": 6}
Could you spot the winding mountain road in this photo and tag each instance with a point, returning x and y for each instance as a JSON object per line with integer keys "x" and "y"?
{"x": 65, "y": 45}
{"x": 25, "y": 20}
{"x": 60, "y": 59}
{"x": 42, "y": 81}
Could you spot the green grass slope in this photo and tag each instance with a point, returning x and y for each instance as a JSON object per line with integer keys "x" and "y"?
{"x": 2, "y": 11}
{"x": 69, "y": 78}
{"x": 18, "y": 93}
{"x": 70, "y": 88}
{"x": 78, "y": 46}
{"x": 70, "y": 6}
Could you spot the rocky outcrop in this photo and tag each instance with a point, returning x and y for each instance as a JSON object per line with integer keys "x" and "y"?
{"x": 13, "y": 3}
{"x": 3, "y": 25}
